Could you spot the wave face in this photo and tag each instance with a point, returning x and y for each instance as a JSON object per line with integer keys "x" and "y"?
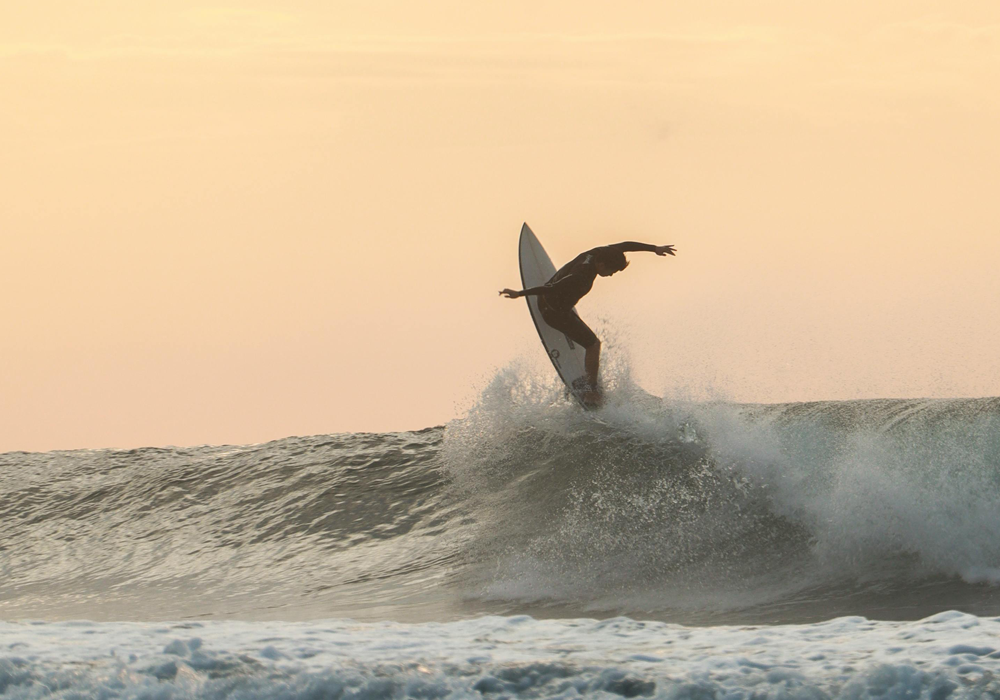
{"x": 694, "y": 513}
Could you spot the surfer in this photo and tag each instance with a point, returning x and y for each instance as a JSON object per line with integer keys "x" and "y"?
{"x": 558, "y": 296}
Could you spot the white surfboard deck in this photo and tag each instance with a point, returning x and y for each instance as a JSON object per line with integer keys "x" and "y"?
{"x": 566, "y": 356}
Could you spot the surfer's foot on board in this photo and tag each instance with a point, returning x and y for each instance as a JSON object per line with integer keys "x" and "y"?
{"x": 592, "y": 398}
{"x": 588, "y": 392}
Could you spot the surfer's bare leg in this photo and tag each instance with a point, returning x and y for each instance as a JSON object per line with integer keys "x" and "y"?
{"x": 592, "y": 363}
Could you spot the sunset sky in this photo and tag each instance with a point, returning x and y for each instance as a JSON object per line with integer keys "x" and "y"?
{"x": 229, "y": 223}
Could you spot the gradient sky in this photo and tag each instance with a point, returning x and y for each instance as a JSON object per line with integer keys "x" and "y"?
{"x": 228, "y": 223}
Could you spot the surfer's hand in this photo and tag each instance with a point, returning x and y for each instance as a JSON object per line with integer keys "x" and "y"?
{"x": 510, "y": 293}
{"x": 665, "y": 250}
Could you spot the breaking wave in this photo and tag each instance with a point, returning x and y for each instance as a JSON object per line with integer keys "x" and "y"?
{"x": 692, "y": 512}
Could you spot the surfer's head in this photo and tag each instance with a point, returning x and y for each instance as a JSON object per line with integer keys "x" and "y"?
{"x": 609, "y": 261}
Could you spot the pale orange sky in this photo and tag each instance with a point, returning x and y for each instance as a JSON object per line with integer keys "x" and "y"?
{"x": 228, "y": 223}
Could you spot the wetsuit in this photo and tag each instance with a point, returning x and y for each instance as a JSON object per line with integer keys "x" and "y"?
{"x": 558, "y": 296}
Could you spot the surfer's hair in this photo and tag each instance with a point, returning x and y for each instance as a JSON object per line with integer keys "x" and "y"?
{"x": 612, "y": 258}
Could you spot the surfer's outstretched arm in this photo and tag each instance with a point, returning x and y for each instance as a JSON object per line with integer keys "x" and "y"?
{"x": 633, "y": 247}
{"x": 515, "y": 294}
{"x": 535, "y": 291}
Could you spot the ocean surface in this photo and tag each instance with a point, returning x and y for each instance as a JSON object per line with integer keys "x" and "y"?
{"x": 530, "y": 549}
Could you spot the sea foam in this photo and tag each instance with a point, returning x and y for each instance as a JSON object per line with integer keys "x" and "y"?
{"x": 948, "y": 655}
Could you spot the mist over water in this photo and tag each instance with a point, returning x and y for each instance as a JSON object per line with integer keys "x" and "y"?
{"x": 680, "y": 511}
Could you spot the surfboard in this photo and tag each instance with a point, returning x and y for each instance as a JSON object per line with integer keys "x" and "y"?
{"x": 566, "y": 356}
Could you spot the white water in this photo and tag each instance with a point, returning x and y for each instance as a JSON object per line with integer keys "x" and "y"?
{"x": 948, "y": 655}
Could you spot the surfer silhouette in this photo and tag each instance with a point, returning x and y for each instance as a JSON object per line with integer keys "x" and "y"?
{"x": 570, "y": 283}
